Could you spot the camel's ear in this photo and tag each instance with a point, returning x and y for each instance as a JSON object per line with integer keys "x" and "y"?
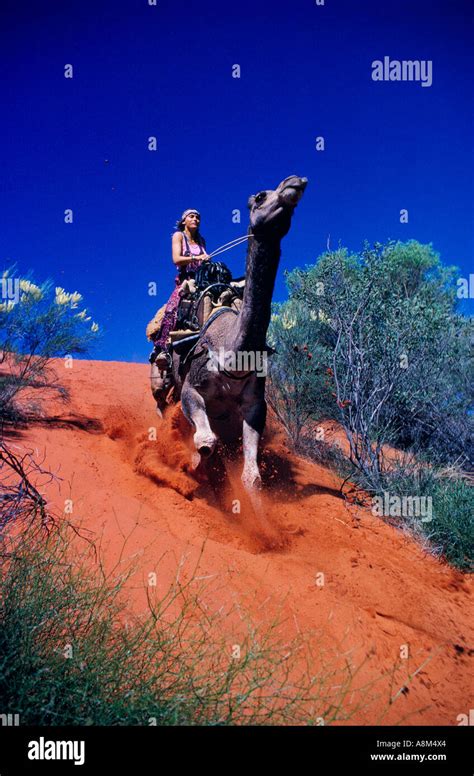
{"x": 250, "y": 202}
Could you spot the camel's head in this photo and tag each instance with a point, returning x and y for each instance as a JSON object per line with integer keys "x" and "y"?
{"x": 271, "y": 211}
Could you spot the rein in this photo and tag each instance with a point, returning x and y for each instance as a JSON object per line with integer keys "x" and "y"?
{"x": 232, "y": 244}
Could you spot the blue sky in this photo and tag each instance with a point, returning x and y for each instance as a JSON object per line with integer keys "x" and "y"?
{"x": 166, "y": 71}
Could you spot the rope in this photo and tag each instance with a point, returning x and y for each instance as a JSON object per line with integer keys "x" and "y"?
{"x": 229, "y": 245}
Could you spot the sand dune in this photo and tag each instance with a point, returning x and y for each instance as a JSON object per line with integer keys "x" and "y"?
{"x": 138, "y": 496}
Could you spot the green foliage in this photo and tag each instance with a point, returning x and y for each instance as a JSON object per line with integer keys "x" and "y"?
{"x": 393, "y": 366}
{"x": 37, "y": 323}
{"x": 42, "y": 320}
{"x": 452, "y": 528}
{"x": 384, "y": 321}
{"x": 299, "y": 386}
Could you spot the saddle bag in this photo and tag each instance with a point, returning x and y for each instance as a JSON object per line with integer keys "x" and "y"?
{"x": 211, "y": 272}
{"x": 186, "y": 318}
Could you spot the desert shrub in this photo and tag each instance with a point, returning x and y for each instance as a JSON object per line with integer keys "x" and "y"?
{"x": 37, "y": 323}
{"x": 387, "y": 332}
{"x": 299, "y": 387}
{"x": 451, "y": 532}
{"x": 391, "y": 362}
{"x": 435, "y": 505}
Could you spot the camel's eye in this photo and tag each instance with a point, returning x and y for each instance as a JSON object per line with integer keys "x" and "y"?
{"x": 259, "y": 198}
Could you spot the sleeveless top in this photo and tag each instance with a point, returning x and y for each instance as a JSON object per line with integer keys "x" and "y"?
{"x": 189, "y": 271}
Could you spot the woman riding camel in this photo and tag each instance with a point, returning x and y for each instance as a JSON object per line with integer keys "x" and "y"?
{"x": 188, "y": 251}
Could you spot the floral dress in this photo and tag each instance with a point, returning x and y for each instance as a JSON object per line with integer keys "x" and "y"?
{"x": 185, "y": 273}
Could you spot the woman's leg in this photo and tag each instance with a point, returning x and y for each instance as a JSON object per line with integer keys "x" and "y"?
{"x": 162, "y": 359}
{"x": 169, "y": 318}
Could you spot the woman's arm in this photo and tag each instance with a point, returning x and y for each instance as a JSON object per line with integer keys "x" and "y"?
{"x": 177, "y": 247}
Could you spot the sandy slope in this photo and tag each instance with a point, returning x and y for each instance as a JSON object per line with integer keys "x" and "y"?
{"x": 138, "y": 497}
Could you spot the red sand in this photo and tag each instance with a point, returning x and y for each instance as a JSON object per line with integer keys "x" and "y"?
{"x": 142, "y": 503}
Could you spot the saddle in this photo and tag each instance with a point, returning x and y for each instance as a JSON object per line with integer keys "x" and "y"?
{"x": 211, "y": 288}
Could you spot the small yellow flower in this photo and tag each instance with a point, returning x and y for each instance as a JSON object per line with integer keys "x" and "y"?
{"x": 94, "y": 327}
{"x": 62, "y": 297}
{"x": 319, "y": 315}
{"x": 7, "y": 307}
{"x": 75, "y": 297}
{"x": 31, "y": 289}
{"x": 288, "y": 322}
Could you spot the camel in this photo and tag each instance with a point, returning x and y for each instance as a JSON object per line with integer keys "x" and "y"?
{"x": 227, "y": 402}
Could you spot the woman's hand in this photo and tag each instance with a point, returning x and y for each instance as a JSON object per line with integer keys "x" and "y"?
{"x": 205, "y": 257}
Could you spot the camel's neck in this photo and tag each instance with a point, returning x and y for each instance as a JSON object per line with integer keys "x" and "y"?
{"x": 252, "y": 323}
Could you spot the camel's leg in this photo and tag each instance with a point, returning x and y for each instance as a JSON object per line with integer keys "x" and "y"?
{"x": 194, "y": 409}
{"x": 157, "y": 380}
{"x": 250, "y": 475}
{"x": 254, "y": 414}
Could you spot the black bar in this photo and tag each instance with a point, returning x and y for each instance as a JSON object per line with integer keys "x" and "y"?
{"x": 317, "y": 750}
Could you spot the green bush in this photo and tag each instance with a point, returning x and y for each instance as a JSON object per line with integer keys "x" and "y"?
{"x": 452, "y": 530}
{"x": 386, "y": 323}
{"x": 299, "y": 388}
{"x": 448, "y": 524}
{"x": 391, "y": 362}
{"x": 37, "y": 323}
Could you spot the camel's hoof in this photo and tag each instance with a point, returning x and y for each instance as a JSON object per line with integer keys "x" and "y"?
{"x": 205, "y": 445}
{"x": 252, "y": 482}
{"x": 195, "y": 461}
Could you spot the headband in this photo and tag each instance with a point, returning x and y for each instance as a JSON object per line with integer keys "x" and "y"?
{"x": 188, "y": 212}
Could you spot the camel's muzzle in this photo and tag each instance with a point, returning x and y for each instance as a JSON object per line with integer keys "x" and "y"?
{"x": 293, "y": 191}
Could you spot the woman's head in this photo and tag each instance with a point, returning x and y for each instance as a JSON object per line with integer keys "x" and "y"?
{"x": 191, "y": 219}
